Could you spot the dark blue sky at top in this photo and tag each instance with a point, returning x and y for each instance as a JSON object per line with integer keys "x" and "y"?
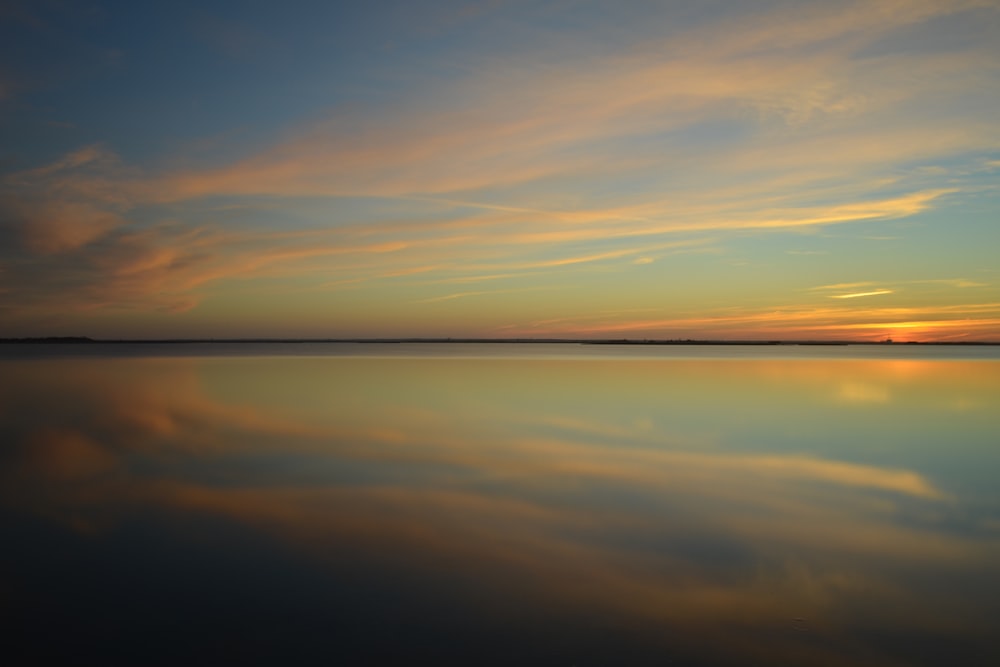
{"x": 162, "y": 77}
{"x": 153, "y": 74}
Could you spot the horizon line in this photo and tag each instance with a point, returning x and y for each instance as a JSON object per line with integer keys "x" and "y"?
{"x": 451, "y": 339}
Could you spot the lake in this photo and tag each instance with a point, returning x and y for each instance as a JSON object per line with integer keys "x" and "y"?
{"x": 492, "y": 504}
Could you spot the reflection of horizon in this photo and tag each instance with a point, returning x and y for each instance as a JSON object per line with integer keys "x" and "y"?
{"x": 584, "y": 500}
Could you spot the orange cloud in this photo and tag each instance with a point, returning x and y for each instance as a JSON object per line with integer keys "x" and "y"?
{"x": 855, "y": 295}
{"x": 791, "y": 321}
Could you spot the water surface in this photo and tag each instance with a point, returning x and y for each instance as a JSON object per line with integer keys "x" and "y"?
{"x": 491, "y": 504}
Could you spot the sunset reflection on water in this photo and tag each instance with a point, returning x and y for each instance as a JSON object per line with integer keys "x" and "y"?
{"x": 372, "y": 509}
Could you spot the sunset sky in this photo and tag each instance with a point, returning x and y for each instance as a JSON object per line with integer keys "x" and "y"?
{"x": 738, "y": 170}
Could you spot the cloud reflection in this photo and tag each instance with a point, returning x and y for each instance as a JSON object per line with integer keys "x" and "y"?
{"x": 452, "y": 467}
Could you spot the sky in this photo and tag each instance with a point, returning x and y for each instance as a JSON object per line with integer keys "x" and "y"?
{"x": 751, "y": 170}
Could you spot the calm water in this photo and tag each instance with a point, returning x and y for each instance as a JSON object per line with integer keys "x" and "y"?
{"x": 500, "y": 505}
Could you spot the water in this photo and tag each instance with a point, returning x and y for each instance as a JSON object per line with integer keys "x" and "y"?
{"x": 500, "y": 504}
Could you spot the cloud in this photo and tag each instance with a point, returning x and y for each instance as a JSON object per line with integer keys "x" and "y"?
{"x": 789, "y": 321}
{"x": 55, "y": 227}
{"x": 952, "y": 282}
{"x": 462, "y": 295}
{"x": 509, "y": 126}
{"x": 855, "y": 295}
{"x": 73, "y": 160}
{"x": 66, "y": 204}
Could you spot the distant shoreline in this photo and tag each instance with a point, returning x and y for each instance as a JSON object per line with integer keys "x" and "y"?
{"x": 84, "y": 340}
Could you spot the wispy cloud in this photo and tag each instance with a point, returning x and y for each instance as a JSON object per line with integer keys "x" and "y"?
{"x": 787, "y": 321}
{"x": 462, "y": 295}
{"x": 855, "y": 295}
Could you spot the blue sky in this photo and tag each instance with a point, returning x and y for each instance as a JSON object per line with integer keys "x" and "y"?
{"x": 639, "y": 169}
